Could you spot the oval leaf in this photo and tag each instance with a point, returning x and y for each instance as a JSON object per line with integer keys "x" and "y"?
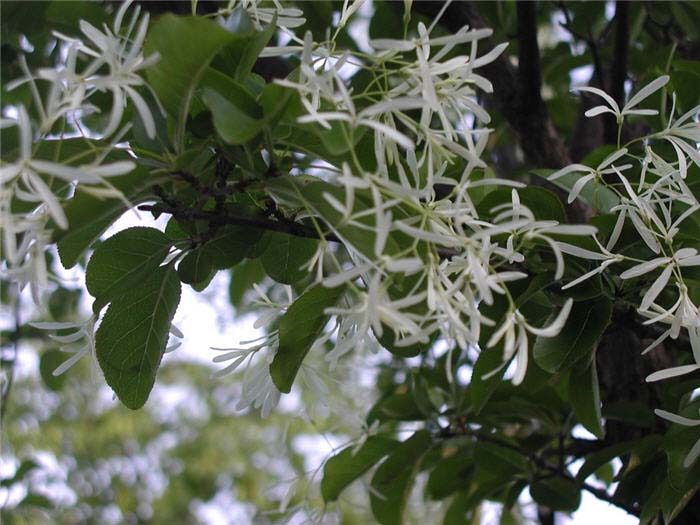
{"x": 132, "y": 336}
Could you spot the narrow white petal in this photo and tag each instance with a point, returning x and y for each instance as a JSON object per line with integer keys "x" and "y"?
{"x": 644, "y": 267}
{"x": 144, "y": 112}
{"x": 555, "y": 327}
{"x": 692, "y": 455}
{"x": 69, "y": 362}
{"x": 674, "y": 418}
{"x": 647, "y": 90}
{"x": 604, "y": 95}
{"x": 673, "y": 372}
{"x": 656, "y": 288}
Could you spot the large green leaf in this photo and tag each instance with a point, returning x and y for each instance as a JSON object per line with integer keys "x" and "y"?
{"x": 299, "y": 328}
{"x": 133, "y": 334}
{"x": 392, "y": 482}
{"x": 579, "y": 337}
{"x": 284, "y": 256}
{"x": 452, "y": 473}
{"x": 233, "y": 123}
{"x": 584, "y": 397}
{"x": 499, "y": 461}
{"x": 123, "y": 261}
{"x": 348, "y": 465}
{"x": 186, "y": 46}
{"x": 557, "y": 494}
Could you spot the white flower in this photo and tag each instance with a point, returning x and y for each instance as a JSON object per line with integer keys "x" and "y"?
{"x": 515, "y": 329}
{"x": 589, "y": 173}
{"x": 85, "y": 333}
{"x": 26, "y": 170}
{"x": 374, "y": 309}
{"x": 684, "y": 135}
{"x": 287, "y": 17}
{"x": 627, "y": 109}
{"x": 123, "y": 55}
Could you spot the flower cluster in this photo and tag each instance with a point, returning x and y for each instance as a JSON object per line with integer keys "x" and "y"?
{"x": 32, "y": 186}
{"x": 417, "y": 213}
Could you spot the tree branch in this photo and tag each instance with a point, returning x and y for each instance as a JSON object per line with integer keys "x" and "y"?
{"x": 544, "y": 465}
{"x": 618, "y": 73}
{"x": 221, "y": 219}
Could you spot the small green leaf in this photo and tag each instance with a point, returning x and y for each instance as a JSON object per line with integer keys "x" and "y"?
{"x": 231, "y": 245}
{"x": 50, "y": 361}
{"x": 196, "y": 267}
{"x": 232, "y": 123}
{"x": 284, "y": 256}
{"x": 584, "y": 397}
{"x": 392, "y": 482}
{"x": 347, "y": 466}
{"x": 578, "y": 339}
{"x": 123, "y": 261}
{"x": 133, "y": 334}
{"x": 299, "y": 328}
{"x": 243, "y": 277}
{"x": 558, "y": 494}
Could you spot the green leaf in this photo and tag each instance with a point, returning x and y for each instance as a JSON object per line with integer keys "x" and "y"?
{"x": 451, "y": 474}
{"x": 242, "y": 278}
{"x": 123, "y": 261}
{"x": 50, "y": 361}
{"x": 89, "y": 216}
{"x": 299, "y": 328}
{"x": 232, "y": 123}
{"x": 483, "y": 388}
{"x": 558, "y": 494}
{"x": 309, "y": 193}
{"x": 597, "y": 459}
{"x": 497, "y": 461}
{"x": 133, "y": 334}
{"x": 399, "y": 406}
{"x": 196, "y": 267}
{"x": 596, "y": 195}
{"x": 247, "y": 52}
{"x": 284, "y": 256}
{"x": 345, "y": 467}
{"x": 584, "y": 397}
{"x": 231, "y": 245}
{"x": 392, "y": 482}
{"x": 186, "y": 46}
{"x": 578, "y": 339}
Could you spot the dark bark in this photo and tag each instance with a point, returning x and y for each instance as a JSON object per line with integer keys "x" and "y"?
{"x": 618, "y": 71}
